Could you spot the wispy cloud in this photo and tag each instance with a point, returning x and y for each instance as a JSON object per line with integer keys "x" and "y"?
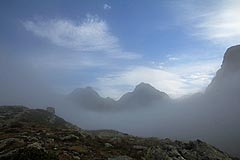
{"x": 90, "y": 35}
{"x": 218, "y": 22}
{"x": 172, "y": 58}
{"x": 106, "y": 6}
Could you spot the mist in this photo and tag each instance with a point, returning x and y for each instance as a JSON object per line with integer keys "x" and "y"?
{"x": 148, "y": 69}
{"x": 212, "y": 116}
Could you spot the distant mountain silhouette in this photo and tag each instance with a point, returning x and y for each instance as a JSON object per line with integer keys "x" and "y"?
{"x": 90, "y": 99}
{"x": 143, "y": 95}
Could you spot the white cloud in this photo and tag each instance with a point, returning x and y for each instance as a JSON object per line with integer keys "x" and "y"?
{"x": 177, "y": 80}
{"x": 218, "y": 22}
{"x": 106, "y": 6}
{"x": 197, "y": 75}
{"x": 161, "y": 79}
{"x": 91, "y": 35}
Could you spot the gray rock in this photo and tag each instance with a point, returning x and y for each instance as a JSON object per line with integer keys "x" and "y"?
{"x": 139, "y": 147}
{"x": 11, "y": 143}
{"x": 35, "y": 145}
{"x": 69, "y": 137}
{"x": 108, "y": 145}
{"x": 156, "y": 153}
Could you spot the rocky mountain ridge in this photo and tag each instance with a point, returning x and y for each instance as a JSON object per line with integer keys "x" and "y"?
{"x": 228, "y": 76}
{"x": 36, "y": 134}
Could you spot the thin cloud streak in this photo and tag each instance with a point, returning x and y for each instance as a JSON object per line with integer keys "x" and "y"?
{"x": 91, "y": 35}
{"x": 218, "y": 22}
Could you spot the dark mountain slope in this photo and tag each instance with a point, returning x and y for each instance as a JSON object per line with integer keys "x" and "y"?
{"x": 228, "y": 76}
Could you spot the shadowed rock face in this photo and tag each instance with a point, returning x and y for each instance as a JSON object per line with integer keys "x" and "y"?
{"x": 37, "y": 139}
{"x": 220, "y": 104}
{"x": 228, "y": 76}
{"x": 231, "y": 62}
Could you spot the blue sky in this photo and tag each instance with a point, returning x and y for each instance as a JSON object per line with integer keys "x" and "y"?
{"x": 114, "y": 45}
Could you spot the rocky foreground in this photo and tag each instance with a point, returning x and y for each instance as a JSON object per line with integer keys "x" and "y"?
{"x": 36, "y": 134}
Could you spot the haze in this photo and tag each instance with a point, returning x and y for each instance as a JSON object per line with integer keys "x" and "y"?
{"x": 51, "y": 51}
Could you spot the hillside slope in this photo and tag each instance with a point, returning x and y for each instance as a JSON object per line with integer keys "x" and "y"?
{"x": 28, "y": 134}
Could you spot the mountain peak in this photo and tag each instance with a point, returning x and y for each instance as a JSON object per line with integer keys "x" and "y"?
{"x": 87, "y": 91}
{"x": 231, "y": 61}
{"x": 88, "y": 88}
{"x": 88, "y": 98}
{"x": 143, "y": 95}
{"x": 144, "y": 86}
{"x": 228, "y": 76}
